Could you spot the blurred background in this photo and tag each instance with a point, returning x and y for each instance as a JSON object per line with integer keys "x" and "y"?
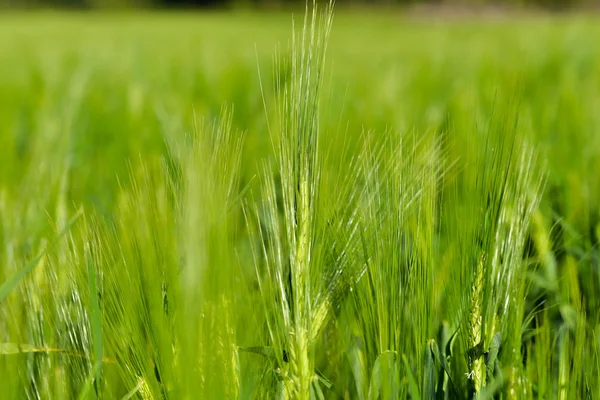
{"x": 549, "y": 4}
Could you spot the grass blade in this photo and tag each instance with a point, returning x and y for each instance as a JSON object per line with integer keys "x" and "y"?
{"x": 86, "y": 392}
{"x": 413, "y": 387}
{"x": 429, "y": 375}
{"x": 13, "y": 281}
{"x": 10, "y": 284}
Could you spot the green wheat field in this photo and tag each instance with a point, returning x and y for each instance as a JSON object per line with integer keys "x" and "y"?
{"x": 319, "y": 205}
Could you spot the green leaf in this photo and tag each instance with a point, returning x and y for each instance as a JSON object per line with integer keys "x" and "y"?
{"x": 489, "y": 391}
{"x": 429, "y": 375}
{"x": 450, "y": 344}
{"x": 323, "y": 379}
{"x": 383, "y": 370}
{"x": 86, "y": 392}
{"x": 569, "y": 315}
{"x": 7, "y": 349}
{"x": 444, "y": 335}
{"x": 315, "y": 389}
{"x": 70, "y": 223}
{"x": 492, "y": 354}
{"x": 540, "y": 281}
{"x": 272, "y": 353}
{"x": 10, "y": 284}
{"x": 413, "y": 388}
{"x": 475, "y": 352}
{"x": 133, "y": 391}
{"x": 13, "y": 281}
{"x": 240, "y": 196}
{"x": 359, "y": 370}
{"x": 442, "y": 360}
{"x": 17, "y": 348}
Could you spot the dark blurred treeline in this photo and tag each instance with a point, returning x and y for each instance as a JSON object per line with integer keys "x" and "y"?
{"x": 89, "y": 4}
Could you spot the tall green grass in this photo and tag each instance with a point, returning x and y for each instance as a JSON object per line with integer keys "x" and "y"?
{"x": 419, "y": 221}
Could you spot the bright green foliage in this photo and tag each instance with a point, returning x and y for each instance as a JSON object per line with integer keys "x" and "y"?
{"x": 419, "y": 221}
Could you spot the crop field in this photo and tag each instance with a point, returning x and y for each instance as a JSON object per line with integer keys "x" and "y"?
{"x": 355, "y": 205}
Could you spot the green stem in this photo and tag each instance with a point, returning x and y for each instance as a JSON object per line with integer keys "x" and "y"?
{"x": 302, "y": 308}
